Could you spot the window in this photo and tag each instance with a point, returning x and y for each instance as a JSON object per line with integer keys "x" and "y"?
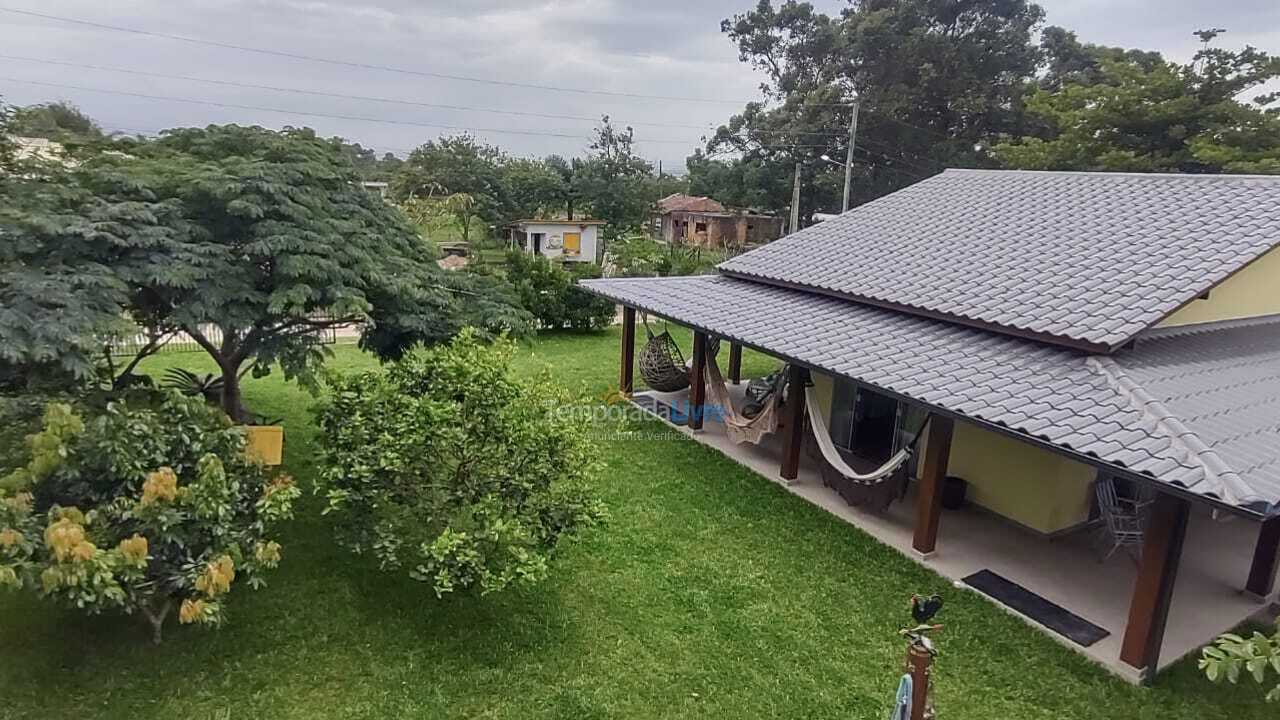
{"x": 700, "y": 227}
{"x": 572, "y": 243}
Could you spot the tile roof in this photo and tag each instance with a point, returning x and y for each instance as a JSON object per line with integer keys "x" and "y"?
{"x": 1085, "y": 259}
{"x": 1169, "y": 409}
{"x": 679, "y": 202}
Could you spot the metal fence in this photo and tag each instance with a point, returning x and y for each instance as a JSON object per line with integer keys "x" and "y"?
{"x": 131, "y": 345}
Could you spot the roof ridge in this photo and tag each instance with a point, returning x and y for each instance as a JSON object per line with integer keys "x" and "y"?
{"x": 1103, "y": 173}
{"x": 1233, "y": 488}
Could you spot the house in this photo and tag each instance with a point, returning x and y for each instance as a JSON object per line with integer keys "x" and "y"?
{"x": 703, "y": 222}
{"x": 568, "y": 240}
{"x": 1049, "y": 338}
{"x": 377, "y": 187}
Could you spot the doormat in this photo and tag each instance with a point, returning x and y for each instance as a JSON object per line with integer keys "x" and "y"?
{"x": 1051, "y": 615}
{"x": 654, "y": 406}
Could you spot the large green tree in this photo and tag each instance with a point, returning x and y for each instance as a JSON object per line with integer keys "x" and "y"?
{"x": 452, "y": 165}
{"x": 612, "y": 180}
{"x": 55, "y": 121}
{"x": 251, "y": 242}
{"x": 934, "y": 80}
{"x": 1109, "y": 109}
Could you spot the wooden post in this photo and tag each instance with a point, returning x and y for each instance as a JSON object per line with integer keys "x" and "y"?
{"x": 933, "y": 471}
{"x": 735, "y": 363}
{"x": 698, "y": 382}
{"x": 794, "y": 439}
{"x": 1266, "y": 557}
{"x": 918, "y": 662}
{"x": 626, "y": 375}
{"x": 1153, "y": 589}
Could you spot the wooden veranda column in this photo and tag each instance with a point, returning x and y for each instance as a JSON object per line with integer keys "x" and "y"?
{"x": 1153, "y": 590}
{"x": 933, "y": 471}
{"x": 626, "y": 373}
{"x": 797, "y": 379}
{"x": 698, "y": 381}
{"x": 1266, "y": 557}
{"x": 735, "y": 363}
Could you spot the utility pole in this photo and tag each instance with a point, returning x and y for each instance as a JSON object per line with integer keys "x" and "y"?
{"x": 795, "y": 202}
{"x": 848, "y": 158}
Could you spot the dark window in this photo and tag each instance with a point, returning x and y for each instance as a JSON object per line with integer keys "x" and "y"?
{"x": 700, "y": 227}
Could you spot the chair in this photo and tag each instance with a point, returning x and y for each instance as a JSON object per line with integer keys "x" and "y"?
{"x": 1124, "y": 520}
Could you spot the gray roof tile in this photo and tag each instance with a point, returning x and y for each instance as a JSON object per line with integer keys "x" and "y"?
{"x": 1091, "y": 258}
{"x": 1195, "y": 408}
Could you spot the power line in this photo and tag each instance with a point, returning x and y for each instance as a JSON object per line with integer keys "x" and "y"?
{"x": 319, "y": 93}
{"x": 359, "y": 118}
{"x": 367, "y": 66}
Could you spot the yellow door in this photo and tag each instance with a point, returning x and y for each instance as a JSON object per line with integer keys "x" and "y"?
{"x": 572, "y": 243}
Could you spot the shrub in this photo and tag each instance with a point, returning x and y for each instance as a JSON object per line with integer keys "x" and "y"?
{"x": 1231, "y": 656}
{"x": 147, "y": 504}
{"x": 550, "y": 293}
{"x": 448, "y": 465}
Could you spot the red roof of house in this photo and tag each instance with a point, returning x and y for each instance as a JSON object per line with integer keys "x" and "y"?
{"x": 679, "y": 202}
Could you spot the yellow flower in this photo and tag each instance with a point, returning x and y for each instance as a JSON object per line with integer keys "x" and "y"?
{"x": 50, "y": 579}
{"x": 268, "y": 553}
{"x": 84, "y": 551}
{"x": 71, "y": 513}
{"x": 160, "y": 485}
{"x": 20, "y": 503}
{"x": 134, "y": 550}
{"x": 191, "y": 611}
{"x": 9, "y": 537}
{"x": 62, "y": 537}
{"x": 217, "y": 577}
{"x": 9, "y": 577}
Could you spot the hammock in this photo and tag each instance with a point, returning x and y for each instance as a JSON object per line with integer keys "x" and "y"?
{"x": 829, "y": 453}
{"x": 740, "y": 428}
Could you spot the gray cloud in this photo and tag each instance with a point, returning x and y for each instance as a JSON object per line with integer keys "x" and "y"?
{"x": 659, "y": 47}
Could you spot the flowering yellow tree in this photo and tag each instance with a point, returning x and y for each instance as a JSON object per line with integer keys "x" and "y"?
{"x": 143, "y": 507}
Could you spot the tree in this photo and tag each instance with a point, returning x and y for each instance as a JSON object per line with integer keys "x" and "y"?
{"x": 530, "y": 189}
{"x": 549, "y": 291}
{"x": 1107, "y": 109}
{"x": 748, "y": 181}
{"x": 452, "y": 165}
{"x": 1231, "y": 655}
{"x": 140, "y": 506}
{"x": 567, "y": 192}
{"x": 450, "y": 466}
{"x": 612, "y": 179}
{"x": 249, "y": 241}
{"x": 55, "y": 121}
{"x": 367, "y": 162}
{"x": 934, "y": 80}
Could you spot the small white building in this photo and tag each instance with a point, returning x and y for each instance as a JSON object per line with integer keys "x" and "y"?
{"x": 568, "y": 240}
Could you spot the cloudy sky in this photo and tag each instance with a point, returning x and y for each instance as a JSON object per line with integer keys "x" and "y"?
{"x": 660, "y": 65}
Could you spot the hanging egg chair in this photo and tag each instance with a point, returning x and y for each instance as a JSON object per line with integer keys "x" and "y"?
{"x": 662, "y": 365}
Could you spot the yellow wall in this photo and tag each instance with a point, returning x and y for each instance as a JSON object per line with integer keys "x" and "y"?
{"x": 1034, "y": 487}
{"x": 1252, "y": 291}
{"x": 1037, "y": 488}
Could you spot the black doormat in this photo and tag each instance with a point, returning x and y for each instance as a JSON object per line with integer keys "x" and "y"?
{"x": 1053, "y": 616}
{"x": 652, "y": 405}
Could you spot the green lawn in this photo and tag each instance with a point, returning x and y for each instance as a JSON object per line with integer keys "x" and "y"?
{"x": 712, "y": 593}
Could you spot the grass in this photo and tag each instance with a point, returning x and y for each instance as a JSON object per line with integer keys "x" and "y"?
{"x": 712, "y": 593}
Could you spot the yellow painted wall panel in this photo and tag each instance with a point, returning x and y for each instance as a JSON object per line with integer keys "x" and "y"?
{"x": 1252, "y": 291}
{"x": 1027, "y": 484}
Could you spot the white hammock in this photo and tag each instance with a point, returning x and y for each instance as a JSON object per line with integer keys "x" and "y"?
{"x": 739, "y": 428}
{"x": 832, "y": 456}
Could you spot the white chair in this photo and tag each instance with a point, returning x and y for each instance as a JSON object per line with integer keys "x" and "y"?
{"x": 1124, "y": 520}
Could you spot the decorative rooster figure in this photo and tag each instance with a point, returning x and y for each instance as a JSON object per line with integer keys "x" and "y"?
{"x": 912, "y": 702}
